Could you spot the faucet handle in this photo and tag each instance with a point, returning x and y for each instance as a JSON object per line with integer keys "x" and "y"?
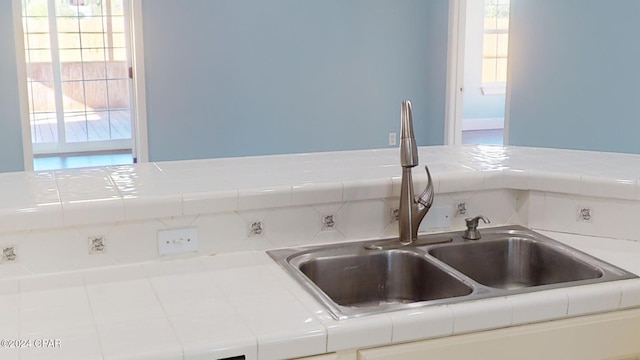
{"x": 426, "y": 198}
{"x": 472, "y": 232}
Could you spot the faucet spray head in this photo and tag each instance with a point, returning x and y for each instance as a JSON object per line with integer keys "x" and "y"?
{"x": 408, "y": 148}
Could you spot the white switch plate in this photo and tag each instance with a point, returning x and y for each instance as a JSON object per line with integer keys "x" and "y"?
{"x": 177, "y": 241}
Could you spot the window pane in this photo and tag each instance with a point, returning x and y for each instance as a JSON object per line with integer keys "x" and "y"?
{"x": 96, "y": 54}
{"x": 120, "y": 54}
{"x": 91, "y": 25}
{"x": 74, "y": 55}
{"x": 35, "y": 56}
{"x": 37, "y": 24}
{"x": 69, "y": 40}
{"x": 94, "y": 70}
{"x": 118, "y": 94}
{"x": 37, "y": 41}
{"x": 117, "y": 70}
{"x": 71, "y": 71}
{"x": 96, "y": 94}
{"x": 98, "y": 126}
{"x": 73, "y": 96}
{"x": 489, "y": 70}
{"x": 503, "y": 45}
{"x": 35, "y": 8}
{"x": 39, "y": 71}
{"x": 117, "y": 23}
{"x": 117, "y": 8}
{"x": 67, "y": 25}
{"x": 120, "y": 122}
{"x": 501, "y": 70}
{"x": 489, "y": 45}
{"x": 75, "y": 126}
{"x": 42, "y": 96}
{"x": 43, "y": 127}
{"x": 119, "y": 40}
{"x": 66, "y": 10}
{"x": 92, "y": 40}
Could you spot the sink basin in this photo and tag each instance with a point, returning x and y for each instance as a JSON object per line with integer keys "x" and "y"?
{"x": 370, "y": 277}
{"x": 515, "y": 263}
{"x": 381, "y": 278}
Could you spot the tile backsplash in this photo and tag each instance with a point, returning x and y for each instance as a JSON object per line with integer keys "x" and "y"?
{"x": 69, "y": 248}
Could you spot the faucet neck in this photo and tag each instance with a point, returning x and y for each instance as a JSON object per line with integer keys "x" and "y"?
{"x": 408, "y": 148}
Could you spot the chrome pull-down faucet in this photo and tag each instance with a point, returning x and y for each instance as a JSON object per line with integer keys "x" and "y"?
{"x": 412, "y": 208}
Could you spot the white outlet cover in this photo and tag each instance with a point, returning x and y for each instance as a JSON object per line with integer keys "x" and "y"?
{"x": 177, "y": 241}
{"x": 392, "y": 138}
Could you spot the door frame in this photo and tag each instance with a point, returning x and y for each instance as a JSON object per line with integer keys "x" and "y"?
{"x": 21, "y": 68}
{"x": 455, "y": 72}
{"x": 455, "y": 77}
{"x": 139, "y": 142}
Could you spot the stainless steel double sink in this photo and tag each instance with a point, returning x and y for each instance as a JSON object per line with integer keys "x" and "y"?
{"x": 357, "y": 279}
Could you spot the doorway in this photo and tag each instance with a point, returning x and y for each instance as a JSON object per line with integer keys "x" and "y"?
{"x": 478, "y": 71}
{"x": 79, "y": 79}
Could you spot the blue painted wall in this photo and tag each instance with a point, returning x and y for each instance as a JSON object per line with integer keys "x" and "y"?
{"x": 575, "y": 70}
{"x": 11, "y": 156}
{"x": 245, "y": 77}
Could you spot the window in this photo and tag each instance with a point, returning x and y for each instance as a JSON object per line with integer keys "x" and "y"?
{"x": 77, "y": 74}
{"x": 495, "y": 42}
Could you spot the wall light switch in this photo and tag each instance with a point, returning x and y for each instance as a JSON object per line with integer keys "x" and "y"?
{"x": 177, "y": 241}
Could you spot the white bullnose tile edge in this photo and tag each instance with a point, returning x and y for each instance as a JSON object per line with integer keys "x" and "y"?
{"x": 460, "y": 181}
{"x": 317, "y": 193}
{"x": 93, "y": 211}
{"x": 354, "y": 333}
{"x": 554, "y": 182}
{"x": 262, "y": 198}
{"x": 591, "y": 299}
{"x": 23, "y": 218}
{"x": 606, "y": 187}
{"x": 210, "y": 202}
{"x": 482, "y": 315}
{"x": 422, "y": 323}
{"x": 367, "y": 189}
{"x": 630, "y": 293}
{"x": 541, "y": 306}
{"x": 142, "y": 208}
{"x": 516, "y": 179}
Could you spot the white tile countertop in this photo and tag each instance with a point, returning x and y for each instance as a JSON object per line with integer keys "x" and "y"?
{"x": 73, "y": 197}
{"x": 244, "y": 304}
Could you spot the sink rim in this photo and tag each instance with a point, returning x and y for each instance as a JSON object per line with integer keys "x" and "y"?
{"x": 283, "y": 257}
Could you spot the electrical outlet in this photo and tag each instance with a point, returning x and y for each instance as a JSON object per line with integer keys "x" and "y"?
{"x": 392, "y": 138}
{"x": 177, "y": 241}
{"x": 97, "y": 245}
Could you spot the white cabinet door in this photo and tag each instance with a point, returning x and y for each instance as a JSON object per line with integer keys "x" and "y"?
{"x": 598, "y": 337}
